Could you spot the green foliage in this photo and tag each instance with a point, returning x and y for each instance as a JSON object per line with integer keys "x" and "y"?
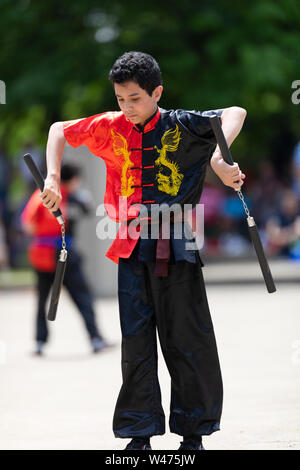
{"x": 55, "y": 58}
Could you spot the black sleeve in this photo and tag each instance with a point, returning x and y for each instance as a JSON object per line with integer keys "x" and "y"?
{"x": 198, "y": 124}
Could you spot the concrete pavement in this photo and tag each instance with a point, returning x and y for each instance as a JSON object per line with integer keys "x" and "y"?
{"x": 66, "y": 399}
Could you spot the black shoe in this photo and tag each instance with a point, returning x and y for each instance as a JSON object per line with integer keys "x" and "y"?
{"x": 191, "y": 443}
{"x": 139, "y": 443}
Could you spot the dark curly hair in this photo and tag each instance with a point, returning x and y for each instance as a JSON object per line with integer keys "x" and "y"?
{"x": 139, "y": 67}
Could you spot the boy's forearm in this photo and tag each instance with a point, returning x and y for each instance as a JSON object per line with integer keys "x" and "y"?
{"x": 232, "y": 120}
{"x": 51, "y": 195}
{"x": 54, "y": 151}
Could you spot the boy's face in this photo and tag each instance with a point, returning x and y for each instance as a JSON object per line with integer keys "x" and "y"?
{"x": 135, "y": 102}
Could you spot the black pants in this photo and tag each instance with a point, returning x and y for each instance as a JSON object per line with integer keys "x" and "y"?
{"x": 76, "y": 285}
{"x": 177, "y": 307}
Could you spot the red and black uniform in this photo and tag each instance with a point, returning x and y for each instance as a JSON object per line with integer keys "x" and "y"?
{"x": 160, "y": 282}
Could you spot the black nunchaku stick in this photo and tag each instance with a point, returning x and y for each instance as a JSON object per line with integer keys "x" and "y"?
{"x": 253, "y": 231}
{"x": 61, "y": 264}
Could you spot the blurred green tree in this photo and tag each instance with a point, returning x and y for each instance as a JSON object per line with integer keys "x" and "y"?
{"x": 55, "y": 57}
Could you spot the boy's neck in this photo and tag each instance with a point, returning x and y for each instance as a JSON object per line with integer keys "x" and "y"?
{"x": 141, "y": 126}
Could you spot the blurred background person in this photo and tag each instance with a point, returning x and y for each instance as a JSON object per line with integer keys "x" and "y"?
{"x": 283, "y": 228}
{"x": 234, "y": 236}
{"x": 295, "y": 170}
{"x": 44, "y": 250}
{"x": 5, "y": 180}
{"x": 39, "y": 157}
{"x": 265, "y": 192}
{"x": 224, "y": 217}
{"x": 3, "y": 250}
{"x": 212, "y": 198}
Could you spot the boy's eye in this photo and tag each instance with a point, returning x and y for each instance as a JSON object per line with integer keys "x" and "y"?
{"x": 133, "y": 99}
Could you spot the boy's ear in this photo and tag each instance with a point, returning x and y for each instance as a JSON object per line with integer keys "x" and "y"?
{"x": 158, "y": 92}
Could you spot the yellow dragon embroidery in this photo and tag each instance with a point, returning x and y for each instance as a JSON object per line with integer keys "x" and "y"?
{"x": 169, "y": 184}
{"x": 120, "y": 147}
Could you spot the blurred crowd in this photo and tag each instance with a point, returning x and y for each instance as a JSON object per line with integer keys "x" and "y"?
{"x": 274, "y": 204}
{"x": 16, "y": 187}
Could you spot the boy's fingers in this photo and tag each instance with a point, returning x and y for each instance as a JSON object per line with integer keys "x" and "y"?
{"x": 46, "y": 196}
{"x": 55, "y": 207}
{"x": 49, "y": 203}
{"x": 46, "y": 200}
{"x": 47, "y": 192}
{"x": 239, "y": 175}
{"x": 236, "y": 178}
{"x": 238, "y": 184}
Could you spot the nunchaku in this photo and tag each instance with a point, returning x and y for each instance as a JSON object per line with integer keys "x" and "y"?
{"x": 253, "y": 231}
{"x": 61, "y": 263}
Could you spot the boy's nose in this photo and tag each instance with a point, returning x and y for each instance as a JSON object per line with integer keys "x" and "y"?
{"x": 127, "y": 107}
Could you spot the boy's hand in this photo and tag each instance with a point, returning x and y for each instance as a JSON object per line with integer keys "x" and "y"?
{"x": 51, "y": 195}
{"x": 230, "y": 175}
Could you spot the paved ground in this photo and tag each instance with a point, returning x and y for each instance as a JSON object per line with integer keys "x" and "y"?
{"x": 66, "y": 400}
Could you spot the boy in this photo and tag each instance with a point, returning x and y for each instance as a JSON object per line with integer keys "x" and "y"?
{"x": 155, "y": 157}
